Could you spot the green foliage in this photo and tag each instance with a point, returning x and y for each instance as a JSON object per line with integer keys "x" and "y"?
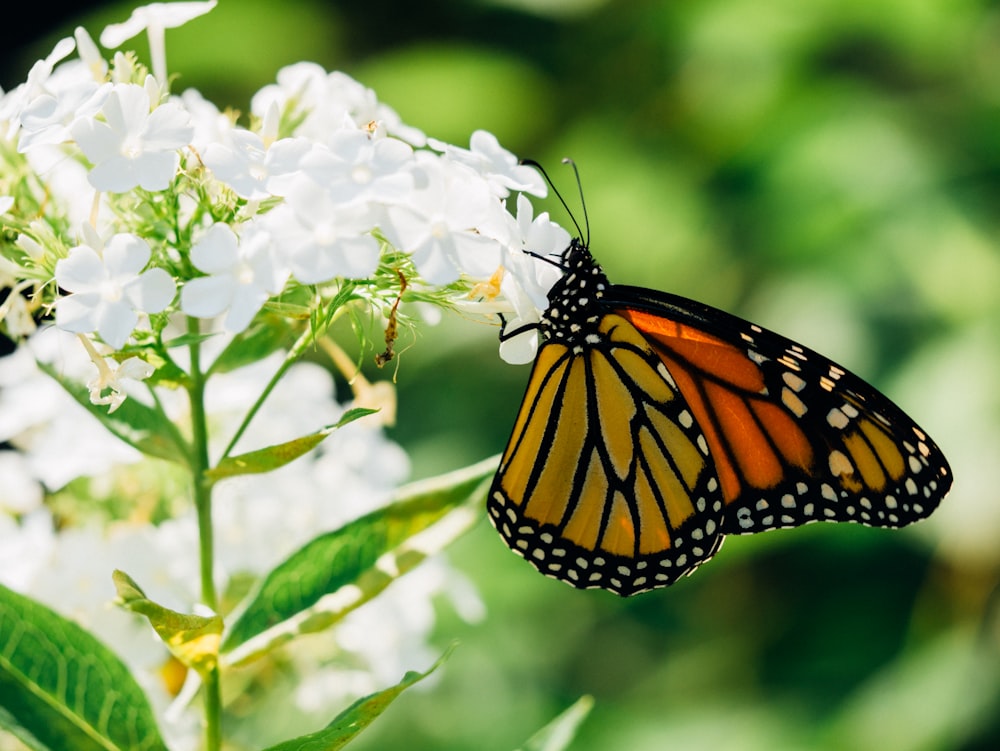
{"x": 192, "y": 639}
{"x": 338, "y": 571}
{"x": 62, "y": 690}
{"x": 356, "y": 717}
{"x": 144, "y": 428}
{"x": 272, "y": 457}
{"x": 558, "y": 734}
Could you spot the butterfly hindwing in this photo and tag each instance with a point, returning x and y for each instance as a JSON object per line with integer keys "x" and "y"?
{"x": 606, "y": 480}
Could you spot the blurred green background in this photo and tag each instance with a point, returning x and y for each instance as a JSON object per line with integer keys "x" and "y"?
{"x": 827, "y": 169}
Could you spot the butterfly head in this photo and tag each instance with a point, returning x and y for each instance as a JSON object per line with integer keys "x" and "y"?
{"x": 574, "y": 299}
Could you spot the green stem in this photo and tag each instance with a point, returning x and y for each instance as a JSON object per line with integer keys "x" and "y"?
{"x": 203, "y": 505}
{"x": 298, "y": 349}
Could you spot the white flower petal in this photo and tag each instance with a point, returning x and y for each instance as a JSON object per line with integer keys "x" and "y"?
{"x": 247, "y": 300}
{"x": 154, "y": 171}
{"x": 81, "y": 271}
{"x": 125, "y": 254}
{"x": 96, "y": 140}
{"x": 207, "y": 296}
{"x": 157, "y": 15}
{"x": 152, "y": 292}
{"x": 78, "y": 313}
{"x": 115, "y": 321}
{"x": 168, "y": 127}
{"x": 216, "y": 251}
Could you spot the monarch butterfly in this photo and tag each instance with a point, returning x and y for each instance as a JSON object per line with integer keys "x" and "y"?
{"x": 653, "y": 425}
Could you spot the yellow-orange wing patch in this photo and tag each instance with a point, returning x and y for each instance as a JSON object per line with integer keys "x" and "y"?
{"x": 606, "y": 480}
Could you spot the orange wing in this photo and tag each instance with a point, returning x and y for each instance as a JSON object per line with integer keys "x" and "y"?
{"x": 653, "y": 425}
{"x": 794, "y": 438}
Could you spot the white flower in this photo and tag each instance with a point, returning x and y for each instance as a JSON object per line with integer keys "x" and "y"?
{"x": 89, "y": 54}
{"x": 108, "y": 292}
{"x": 154, "y": 19}
{"x": 320, "y": 239}
{"x": 133, "y": 146}
{"x": 357, "y": 168}
{"x": 242, "y": 274}
{"x": 49, "y": 119}
{"x": 106, "y": 387}
{"x": 439, "y": 224}
{"x": 14, "y": 101}
{"x": 500, "y": 168}
{"x": 529, "y": 277}
{"x": 6, "y": 204}
{"x": 42, "y": 420}
{"x": 250, "y": 166}
{"x": 210, "y": 125}
{"x": 325, "y": 99}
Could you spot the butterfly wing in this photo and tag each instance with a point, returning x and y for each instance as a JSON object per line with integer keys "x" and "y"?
{"x": 606, "y": 480}
{"x": 793, "y": 437}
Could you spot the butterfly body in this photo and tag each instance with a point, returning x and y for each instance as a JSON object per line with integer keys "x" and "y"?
{"x": 653, "y": 425}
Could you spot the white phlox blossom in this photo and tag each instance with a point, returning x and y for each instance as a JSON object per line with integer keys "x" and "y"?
{"x": 136, "y": 144}
{"x": 13, "y": 103}
{"x": 356, "y": 168}
{"x": 107, "y": 387}
{"x": 48, "y": 119}
{"x": 528, "y": 278}
{"x": 242, "y": 273}
{"x": 250, "y": 166}
{"x": 108, "y": 287}
{"x": 500, "y": 167}
{"x": 438, "y": 225}
{"x": 154, "y": 19}
{"x": 326, "y": 99}
{"x": 320, "y": 238}
{"x": 90, "y": 55}
{"x": 322, "y": 197}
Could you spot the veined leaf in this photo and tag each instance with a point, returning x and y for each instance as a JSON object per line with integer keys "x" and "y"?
{"x": 356, "y": 717}
{"x": 193, "y": 639}
{"x": 338, "y": 571}
{"x": 61, "y": 689}
{"x": 141, "y": 427}
{"x": 280, "y": 454}
{"x": 266, "y": 334}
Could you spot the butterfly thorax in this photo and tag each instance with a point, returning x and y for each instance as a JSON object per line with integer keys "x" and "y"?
{"x": 574, "y": 311}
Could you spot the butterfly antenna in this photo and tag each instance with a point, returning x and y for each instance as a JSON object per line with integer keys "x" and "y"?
{"x": 583, "y": 203}
{"x": 540, "y": 168}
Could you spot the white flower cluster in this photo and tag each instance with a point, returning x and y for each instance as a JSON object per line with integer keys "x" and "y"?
{"x": 325, "y": 183}
{"x": 260, "y": 520}
{"x": 128, "y": 211}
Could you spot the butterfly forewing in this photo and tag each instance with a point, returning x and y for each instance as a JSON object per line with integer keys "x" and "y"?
{"x": 795, "y": 438}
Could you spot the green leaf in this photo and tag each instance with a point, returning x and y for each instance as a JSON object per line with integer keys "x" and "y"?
{"x": 193, "y": 639}
{"x": 144, "y": 428}
{"x": 266, "y": 334}
{"x": 560, "y": 732}
{"x": 61, "y": 689}
{"x": 338, "y": 571}
{"x": 280, "y": 454}
{"x": 356, "y": 717}
{"x": 187, "y": 339}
